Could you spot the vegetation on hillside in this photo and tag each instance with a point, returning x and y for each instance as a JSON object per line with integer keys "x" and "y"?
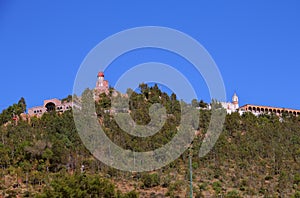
{"x": 45, "y": 157}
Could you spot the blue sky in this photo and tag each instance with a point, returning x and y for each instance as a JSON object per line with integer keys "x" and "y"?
{"x": 256, "y": 45}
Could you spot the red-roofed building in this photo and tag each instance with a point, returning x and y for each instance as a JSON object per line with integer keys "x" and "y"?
{"x": 101, "y": 85}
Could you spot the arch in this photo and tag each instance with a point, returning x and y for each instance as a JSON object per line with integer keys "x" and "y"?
{"x": 250, "y": 108}
{"x": 278, "y": 111}
{"x": 50, "y": 106}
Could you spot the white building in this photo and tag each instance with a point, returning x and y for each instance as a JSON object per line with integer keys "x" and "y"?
{"x": 232, "y": 106}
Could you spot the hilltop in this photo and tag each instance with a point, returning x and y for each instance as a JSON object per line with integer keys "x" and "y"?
{"x": 254, "y": 156}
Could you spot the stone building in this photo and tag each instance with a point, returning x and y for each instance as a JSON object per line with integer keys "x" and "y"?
{"x": 50, "y": 105}
{"x": 57, "y": 105}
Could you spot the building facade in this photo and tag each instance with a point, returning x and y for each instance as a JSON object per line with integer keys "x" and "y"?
{"x": 57, "y": 105}
{"x": 102, "y": 86}
{"x": 259, "y": 109}
{"x": 232, "y": 106}
{"x": 48, "y": 106}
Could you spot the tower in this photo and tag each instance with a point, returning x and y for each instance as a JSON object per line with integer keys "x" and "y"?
{"x": 100, "y": 79}
{"x": 235, "y": 101}
{"x": 101, "y": 85}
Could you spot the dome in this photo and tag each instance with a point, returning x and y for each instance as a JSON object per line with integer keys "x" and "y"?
{"x": 100, "y": 74}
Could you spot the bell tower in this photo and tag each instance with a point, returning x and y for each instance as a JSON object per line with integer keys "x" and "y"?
{"x": 235, "y": 101}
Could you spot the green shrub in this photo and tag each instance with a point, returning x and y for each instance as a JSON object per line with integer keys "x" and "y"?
{"x": 203, "y": 186}
{"x": 195, "y": 165}
{"x": 217, "y": 186}
{"x": 297, "y": 179}
{"x": 150, "y": 180}
{"x": 268, "y": 177}
{"x": 297, "y": 195}
{"x": 232, "y": 194}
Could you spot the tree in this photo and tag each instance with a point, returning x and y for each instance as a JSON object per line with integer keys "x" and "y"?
{"x": 150, "y": 180}
{"x": 144, "y": 89}
{"x": 4, "y": 156}
{"x": 203, "y": 104}
{"x": 195, "y": 103}
{"x": 22, "y": 106}
{"x": 104, "y": 101}
{"x": 67, "y": 99}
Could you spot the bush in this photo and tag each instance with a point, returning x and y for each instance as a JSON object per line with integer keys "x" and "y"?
{"x": 82, "y": 186}
{"x": 131, "y": 194}
{"x": 203, "y": 186}
{"x": 297, "y": 179}
{"x": 166, "y": 182}
{"x": 232, "y": 194}
{"x": 268, "y": 177}
{"x": 297, "y": 195}
{"x": 217, "y": 186}
{"x": 150, "y": 180}
{"x": 195, "y": 165}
